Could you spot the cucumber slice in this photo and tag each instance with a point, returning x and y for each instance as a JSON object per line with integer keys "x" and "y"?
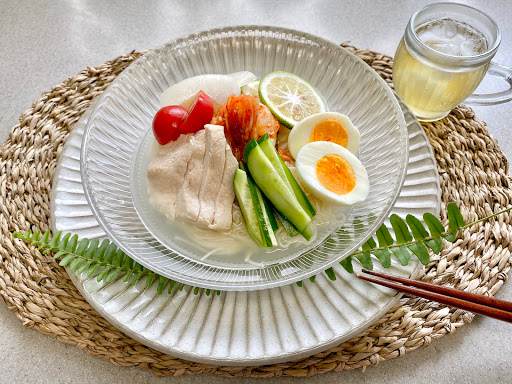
{"x": 266, "y": 145}
{"x": 268, "y": 207}
{"x": 269, "y": 150}
{"x": 270, "y": 214}
{"x": 307, "y": 233}
{"x": 244, "y": 198}
{"x": 274, "y": 188}
{"x": 268, "y": 229}
{"x": 297, "y": 190}
{"x": 253, "y": 209}
{"x": 257, "y": 199}
{"x": 288, "y": 227}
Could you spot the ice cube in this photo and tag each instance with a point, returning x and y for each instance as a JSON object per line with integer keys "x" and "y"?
{"x": 448, "y": 27}
{"x": 445, "y": 47}
{"x": 452, "y": 37}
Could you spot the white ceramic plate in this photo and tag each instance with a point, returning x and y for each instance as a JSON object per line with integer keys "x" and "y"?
{"x": 242, "y": 328}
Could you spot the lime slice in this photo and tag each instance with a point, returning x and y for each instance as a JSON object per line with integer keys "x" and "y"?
{"x": 251, "y": 89}
{"x": 290, "y": 98}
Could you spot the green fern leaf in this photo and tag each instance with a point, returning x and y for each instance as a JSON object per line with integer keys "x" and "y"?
{"x": 64, "y": 242}
{"x": 103, "y": 273}
{"x": 91, "y": 249}
{"x": 161, "y": 284}
{"x": 82, "y": 247}
{"x": 59, "y": 254}
{"x": 67, "y": 259}
{"x": 54, "y": 242}
{"x": 421, "y": 252}
{"x": 330, "y": 273}
{"x": 72, "y": 244}
{"x": 136, "y": 278}
{"x": 92, "y": 270}
{"x": 150, "y": 279}
{"x": 127, "y": 263}
{"x": 171, "y": 286}
{"x": 36, "y": 235}
{"x": 365, "y": 259}
{"x": 110, "y": 253}
{"x": 384, "y": 256}
{"x": 118, "y": 258}
{"x": 108, "y": 261}
{"x": 127, "y": 275}
{"x": 402, "y": 233}
{"x": 111, "y": 275}
{"x": 435, "y": 244}
{"x": 402, "y": 254}
{"x": 455, "y": 219}
{"x": 347, "y": 264}
{"x": 84, "y": 267}
{"x": 418, "y": 230}
{"x": 75, "y": 264}
{"x": 384, "y": 237}
{"x": 369, "y": 244}
{"x": 20, "y": 235}
{"x": 100, "y": 251}
{"x": 46, "y": 237}
{"x": 434, "y": 225}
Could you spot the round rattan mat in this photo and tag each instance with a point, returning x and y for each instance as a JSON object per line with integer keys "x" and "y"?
{"x": 473, "y": 173}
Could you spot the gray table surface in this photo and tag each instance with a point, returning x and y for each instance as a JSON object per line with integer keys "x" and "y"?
{"x": 44, "y": 42}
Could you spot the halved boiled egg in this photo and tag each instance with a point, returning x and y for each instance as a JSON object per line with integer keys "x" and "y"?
{"x": 327, "y": 126}
{"x": 332, "y": 173}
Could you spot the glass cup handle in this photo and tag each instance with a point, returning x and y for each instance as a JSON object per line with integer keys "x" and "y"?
{"x": 502, "y": 72}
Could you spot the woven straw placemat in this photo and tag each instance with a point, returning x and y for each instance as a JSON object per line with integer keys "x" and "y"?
{"x": 473, "y": 173}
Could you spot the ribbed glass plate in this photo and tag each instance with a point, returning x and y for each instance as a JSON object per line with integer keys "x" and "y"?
{"x": 123, "y": 115}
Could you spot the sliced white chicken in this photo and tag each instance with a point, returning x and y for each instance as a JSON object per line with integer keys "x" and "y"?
{"x": 224, "y": 202}
{"x": 213, "y": 169}
{"x": 164, "y": 185}
{"x": 192, "y": 179}
{"x": 187, "y": 202}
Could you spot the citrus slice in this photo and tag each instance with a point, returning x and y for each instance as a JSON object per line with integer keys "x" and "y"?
{"x": 251, "y": 89}
{"x": 289, "y": 97}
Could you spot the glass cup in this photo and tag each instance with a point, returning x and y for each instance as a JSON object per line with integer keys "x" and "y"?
{"x": 443, "y": 56}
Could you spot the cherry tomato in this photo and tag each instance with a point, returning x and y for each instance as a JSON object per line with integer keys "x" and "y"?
{"x": 166, "y": 123}
{"x": 199, "y": 113}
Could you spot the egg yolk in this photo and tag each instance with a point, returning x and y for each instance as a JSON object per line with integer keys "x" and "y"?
{"x": 330, "y": 130}
{"x": 336, "y": 174}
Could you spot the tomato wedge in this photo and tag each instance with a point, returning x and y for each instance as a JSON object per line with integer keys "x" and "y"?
{"x": 166, "y": 123}
{"x": 199, "y": 113}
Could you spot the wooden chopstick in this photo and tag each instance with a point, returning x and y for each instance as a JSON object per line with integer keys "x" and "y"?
{"x": 483, "y": 305}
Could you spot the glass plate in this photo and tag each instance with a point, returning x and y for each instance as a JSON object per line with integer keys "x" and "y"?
{"x": 122, "y": 118}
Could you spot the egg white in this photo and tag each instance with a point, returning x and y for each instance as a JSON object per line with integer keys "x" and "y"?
{"x": 301, "y": 132}
{"x": 306, "y": 163}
